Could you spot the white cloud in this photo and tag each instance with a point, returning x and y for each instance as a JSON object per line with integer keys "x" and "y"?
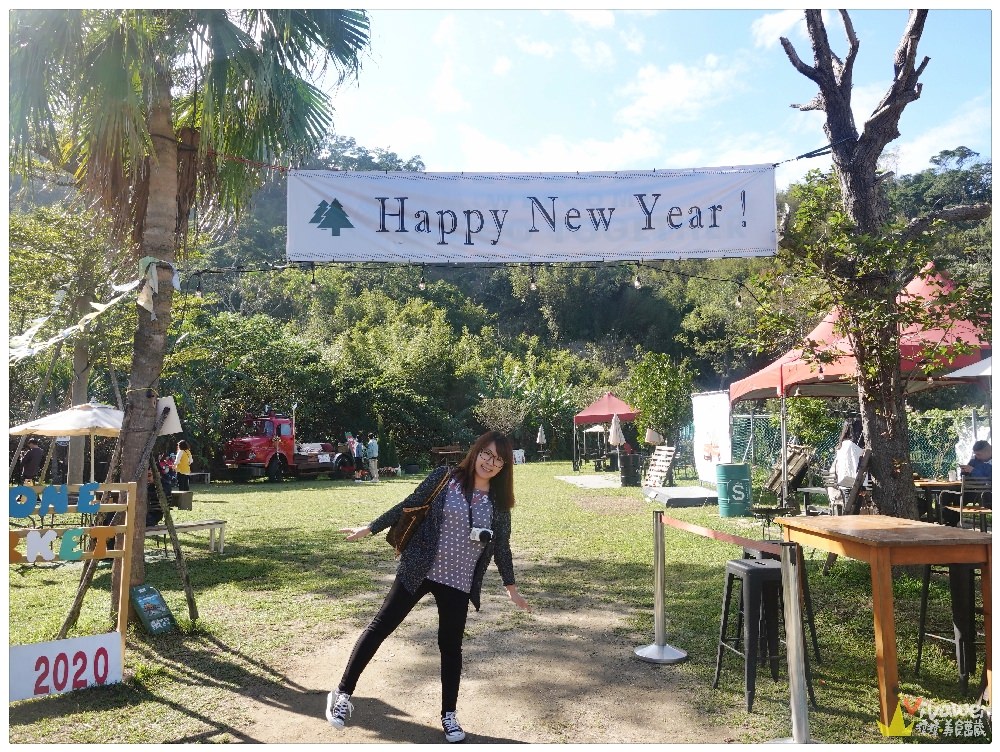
{"x": 531, "y": 47}
{"x": 444, "y": 92}
{"x": 629, "y": 149}
{"x": 633, "y": 40}
{"x": 767, "y": 29}
{"x": 408, "y": 136}
{"x": 970, "y": 126}
{"x": 445, "y": 31}
{"x": 679, "y": 92}
{"x": 594, "y": 56}
{"x": 864, "y": 100}
{"x": 502, "y": 65}
{"x": 595, "y": 19}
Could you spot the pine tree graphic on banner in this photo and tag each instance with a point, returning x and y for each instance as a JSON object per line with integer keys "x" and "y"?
{"x": 320, "y": 211}
{"x": 335, "y": 219}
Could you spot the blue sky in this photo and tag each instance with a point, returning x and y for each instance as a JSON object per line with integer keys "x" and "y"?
{"x": 557, "y": 90}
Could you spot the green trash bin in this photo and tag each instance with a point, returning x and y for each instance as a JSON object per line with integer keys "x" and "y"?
{"x": 734, "y": 489}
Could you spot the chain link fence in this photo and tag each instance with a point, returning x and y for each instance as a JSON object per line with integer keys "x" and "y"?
{"x": 756, "y": 439}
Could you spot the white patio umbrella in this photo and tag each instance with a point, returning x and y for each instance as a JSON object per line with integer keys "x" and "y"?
{"x": 91, "y": 419}
{"x": 615, "y": 435}
{"x": 540, "y": 439}
{"x": 653, "y": 437}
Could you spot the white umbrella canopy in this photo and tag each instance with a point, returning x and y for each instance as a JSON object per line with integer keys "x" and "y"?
{"x": 982, "y": 369}
{"x": 540, "y": 439}
{"x": 615, "y": 435}
{"x": 91, "y": 419}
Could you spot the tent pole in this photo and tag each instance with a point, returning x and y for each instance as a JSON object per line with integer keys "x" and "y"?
{"x": 784, "y": 452}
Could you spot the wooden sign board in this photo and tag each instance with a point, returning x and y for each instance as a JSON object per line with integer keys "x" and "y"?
{"x": 64, "y": 665}
{"x": 52, "y": 668}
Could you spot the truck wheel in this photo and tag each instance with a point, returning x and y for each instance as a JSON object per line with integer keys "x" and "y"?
{"x": 274, "y": 470}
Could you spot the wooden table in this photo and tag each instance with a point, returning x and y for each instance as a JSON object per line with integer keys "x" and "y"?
{"x": 884, "y": 542}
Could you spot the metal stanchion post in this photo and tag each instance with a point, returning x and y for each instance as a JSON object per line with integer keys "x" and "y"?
{"x": 796, "y": 643}
{"x": 659, "y": 651}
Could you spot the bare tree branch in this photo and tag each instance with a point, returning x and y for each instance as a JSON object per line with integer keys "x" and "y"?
{"x": 962, "y": 213}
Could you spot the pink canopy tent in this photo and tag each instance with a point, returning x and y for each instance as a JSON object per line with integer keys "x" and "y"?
{"x": 601, "y": 410}
{"x": 793, "y": 374}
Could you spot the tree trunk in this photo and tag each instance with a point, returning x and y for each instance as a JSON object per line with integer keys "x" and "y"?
{"x": 874, "y": 338}
{"x": 78, "y": 389}
{"x": 159, "y": 241}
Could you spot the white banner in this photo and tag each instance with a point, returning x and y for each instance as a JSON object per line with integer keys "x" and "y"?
{"x": 51, "y": 668}
{"x": 415, "y": 217}
{"x": 712, "y": 444}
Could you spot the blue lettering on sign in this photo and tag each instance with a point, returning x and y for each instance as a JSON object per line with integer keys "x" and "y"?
{"x": 21, "y": 500}
{"x": 17, "y": 508}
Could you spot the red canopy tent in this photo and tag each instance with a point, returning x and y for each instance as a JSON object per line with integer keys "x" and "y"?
{"x": 793, "y": 374}
{"x": 602, "y": 410}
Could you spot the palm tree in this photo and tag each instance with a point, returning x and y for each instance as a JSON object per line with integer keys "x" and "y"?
{"x": 155, "y": 112}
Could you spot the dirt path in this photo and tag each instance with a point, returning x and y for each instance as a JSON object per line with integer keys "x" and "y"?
{"x": 565, "y": 674}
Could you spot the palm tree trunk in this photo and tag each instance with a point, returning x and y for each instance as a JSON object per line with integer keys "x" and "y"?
{"x": 158, "y": 241}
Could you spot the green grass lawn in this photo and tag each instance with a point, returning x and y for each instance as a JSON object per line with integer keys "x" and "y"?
{"x": 285, "y": 573}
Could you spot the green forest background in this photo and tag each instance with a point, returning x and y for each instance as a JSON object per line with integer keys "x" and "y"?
{"x": 432, "y": 355}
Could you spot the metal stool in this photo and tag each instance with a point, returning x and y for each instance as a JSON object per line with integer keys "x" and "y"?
{"x": 961, "y": 583}
{"x": 760, "y": 599}
{"x": 753, "y": 553}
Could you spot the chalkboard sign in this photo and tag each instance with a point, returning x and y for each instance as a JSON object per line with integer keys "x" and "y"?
{"x": 152, "y": 610}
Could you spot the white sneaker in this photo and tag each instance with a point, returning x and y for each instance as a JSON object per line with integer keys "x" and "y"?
{"x": 452, "y": 731}
{"x": 338, "y": 708}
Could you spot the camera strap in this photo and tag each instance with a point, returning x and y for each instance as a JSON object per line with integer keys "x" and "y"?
{"x": 468, "y": 499}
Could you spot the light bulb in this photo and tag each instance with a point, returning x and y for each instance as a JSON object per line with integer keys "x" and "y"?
{"x": 422, "y": 284}
{"x": 637, "y": 283}
{"x": 533, "y": 284}
{"x": 739, "y": 300}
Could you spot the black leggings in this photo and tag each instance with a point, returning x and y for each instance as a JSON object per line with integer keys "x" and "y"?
{"x": 453, "y": 607}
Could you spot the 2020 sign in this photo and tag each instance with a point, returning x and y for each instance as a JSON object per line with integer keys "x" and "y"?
{"x": 51, "y": 668}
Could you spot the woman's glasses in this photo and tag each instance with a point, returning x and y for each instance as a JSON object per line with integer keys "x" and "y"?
{"x": 488, "y": 456}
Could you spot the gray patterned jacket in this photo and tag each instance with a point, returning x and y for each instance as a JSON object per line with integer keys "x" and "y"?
{"x": 418, "y": 557}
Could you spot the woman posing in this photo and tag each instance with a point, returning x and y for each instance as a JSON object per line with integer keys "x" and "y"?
{"x": 467, "y": 525}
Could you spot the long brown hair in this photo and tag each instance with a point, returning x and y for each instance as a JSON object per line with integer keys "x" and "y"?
{"x": 501, "y": 484}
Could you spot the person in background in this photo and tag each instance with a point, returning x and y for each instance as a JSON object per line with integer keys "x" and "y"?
{"x": 372, "y": 451}
{"x": 183, "y": 466}
{"x": 447, "y": 558}
{"x": 981, "y": 464}
{"x": 154, "y": 511}
{"x": 359, "y": 457}
{"x": 845, "y": 464}
{"x": 31, "y": 462}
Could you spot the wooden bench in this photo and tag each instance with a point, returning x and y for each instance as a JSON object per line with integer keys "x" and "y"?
{"x": 189, "y": 527}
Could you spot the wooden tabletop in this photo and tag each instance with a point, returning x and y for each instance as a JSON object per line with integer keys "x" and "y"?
{"x": 938, "y": 484}
{"x": 883, "y": 530}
